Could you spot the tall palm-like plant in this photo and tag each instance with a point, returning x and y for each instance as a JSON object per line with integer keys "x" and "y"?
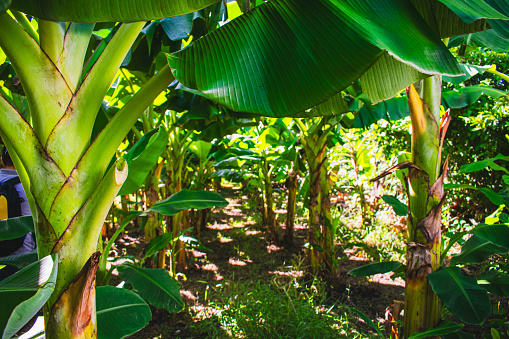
{"x": 416, "y": 19}
{"x": 65, "y": 173}
{"x": 250, "y": 65}
{"x": 314, "y": 133}
{"x": 426, "y": 197}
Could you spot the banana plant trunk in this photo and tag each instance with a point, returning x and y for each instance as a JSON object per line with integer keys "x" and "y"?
{"x": 270, "y": 219}
{"x": 66, "y": 175}
{"x": 366, "y": 220}
{"x": 173, "y": 184}
{"x": 321, "y": 245}
{"x": 152, "y": 227}
{"x": 426, "y": 197}
{"x": 178, "y": 145}
{"x": 292, "y": 184}
{"x": 152, "y": 196}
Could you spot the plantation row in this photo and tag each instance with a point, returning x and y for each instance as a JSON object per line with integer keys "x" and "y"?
{"x": 139, "y": 111}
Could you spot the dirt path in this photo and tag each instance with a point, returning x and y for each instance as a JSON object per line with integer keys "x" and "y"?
{"x": 239, "y": 251}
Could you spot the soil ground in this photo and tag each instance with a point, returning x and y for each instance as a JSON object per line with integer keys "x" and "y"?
{"x": 240, "y": 251}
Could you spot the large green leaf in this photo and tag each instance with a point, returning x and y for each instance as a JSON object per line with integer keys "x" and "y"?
{"x": 157, "y": 244}
{"x": 201, "y": 149}
{"x": 142, "y": 158}
{"x": 482, "y": 164}
{"x": 108, "y": 10}
{"x": 471, "y": 10}
{"x": 120, "y": 312}
{"x": 178, "y": 27}
{"x": 387, "y": 77}
{"x": 24, "y": 293}
{"x": 390, "y": 110}
{"x": 186, "y": 199}
{"x": 445, "y": 22}
{"x": 476, "y": 250}
{"x": 274, "y": 61}
{"x": 497, "y": 234}
{"x": 446, "y": 327}
{"x": 494, "y": 197}
{"x": 500, "y": 26}
{"x": 19, "y": 260}
{"x": 155, "y": 286}
{"x": 334, "y": 106}
{"x": 468, "y": 95}
{"x": 13, "y": 228}
{"x": 375, "y": 268}
{"x": 489, "y": 38}
{"x": 461, "y": 295}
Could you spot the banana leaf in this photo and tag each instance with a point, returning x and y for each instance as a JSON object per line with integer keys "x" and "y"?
{"x": 267, "y": 75}
{"x": 155, "y": 286}
{"x": 24, "y": 293}
{"x": 107, "y": 10}
{"x": 116, "y": 305}
{"x": 461, "y": 295}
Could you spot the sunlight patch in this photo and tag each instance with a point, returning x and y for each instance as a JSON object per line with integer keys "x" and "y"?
{"x": 273, "y": 248}
{"x": 385, "y": 279}
{"x": 236, "y": 262}
{"x": 188, "y": 294}
{"x": 209, "y": 267}
{"x": 198, "y": 254}
{"x": 220, "y": 227}
{"x": 234, "y": 211}
{"x": 128, "y": 241}
{"x": 293, "y": 274}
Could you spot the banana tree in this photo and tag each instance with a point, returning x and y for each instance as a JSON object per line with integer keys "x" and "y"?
{"x": 58, "y": 147}
{"x": 274, "y": 96}
{"x": 354, "y": 153}
{"x": 201, "y": 180}
{"x": 314, "y": 135}
{"x": 175, "y": 155}
{"x": 192, "y": 122}
{"x": 277, "y": 90}
{"x": 289, "y": 139}
{"x": 64, "y": 172}
{"x": 258, "y": 152}
{"x": 271, "y": 167}
{"x": 267, "y": 92}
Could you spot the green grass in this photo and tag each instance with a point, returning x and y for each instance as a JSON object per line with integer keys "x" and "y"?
{"x": 267, "y": 310}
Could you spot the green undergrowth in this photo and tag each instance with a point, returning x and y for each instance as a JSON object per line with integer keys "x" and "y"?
{"x": 274, "y": 310}
{"x": 380, "y": 240}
